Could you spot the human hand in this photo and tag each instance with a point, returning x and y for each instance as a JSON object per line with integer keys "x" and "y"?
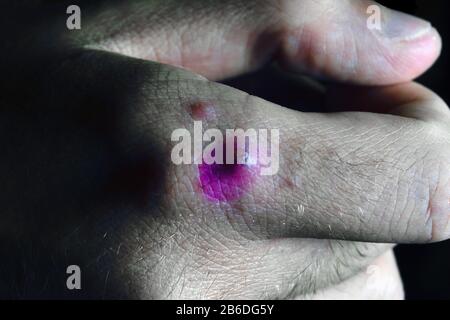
{"x": 88, "y": 178}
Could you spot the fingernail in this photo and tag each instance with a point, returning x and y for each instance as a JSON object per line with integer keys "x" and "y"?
{"x": 403, "y": 27}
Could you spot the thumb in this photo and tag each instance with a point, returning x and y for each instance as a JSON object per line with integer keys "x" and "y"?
{"x": 352, "y": 41}
{"x": 358, "y": 41}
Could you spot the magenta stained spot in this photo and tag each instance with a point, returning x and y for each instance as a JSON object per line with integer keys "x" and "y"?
{"x": 222, "y": 182}
{"x": 226, "y": 182}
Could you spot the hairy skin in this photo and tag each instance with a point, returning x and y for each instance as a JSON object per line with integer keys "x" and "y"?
{"x": 87, "y": 179}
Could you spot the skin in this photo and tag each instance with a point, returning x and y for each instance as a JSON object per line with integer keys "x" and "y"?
{"x": 85, "y": 125}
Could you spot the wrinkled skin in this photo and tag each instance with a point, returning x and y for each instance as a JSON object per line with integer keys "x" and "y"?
{"x": 85, "y": 124}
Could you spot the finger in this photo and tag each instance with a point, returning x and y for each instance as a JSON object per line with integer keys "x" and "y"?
{"x": 380, "y": 280}
{"x": 351, "y": 176}
{"x": 281, "y": 269}
{"x": 408, "y": 99}
{"x": 383, "y": 177}
{"x": 219, "y": 39}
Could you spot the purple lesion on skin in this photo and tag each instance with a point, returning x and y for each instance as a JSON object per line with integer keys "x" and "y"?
{"x": 226, "y": 182}
{"x": 222, "y": 182}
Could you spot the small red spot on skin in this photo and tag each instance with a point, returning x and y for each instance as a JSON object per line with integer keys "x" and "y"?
{"x": 286, "y": 182}
{"x": 202, "y": 110}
